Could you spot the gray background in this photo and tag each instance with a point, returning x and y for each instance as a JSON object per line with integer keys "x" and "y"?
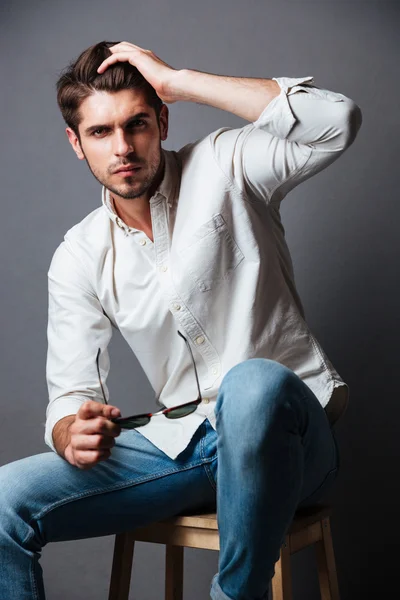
{"x": 341, "y": 228}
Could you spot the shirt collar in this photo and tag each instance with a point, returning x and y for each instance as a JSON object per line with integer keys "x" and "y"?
{"x": 166, "y": 190}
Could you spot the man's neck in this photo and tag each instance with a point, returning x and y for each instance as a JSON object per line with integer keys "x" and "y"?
{"x": 136, "y": 212}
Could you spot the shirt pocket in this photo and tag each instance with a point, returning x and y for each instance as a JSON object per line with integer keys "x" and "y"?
{"x": 212, "y": 255}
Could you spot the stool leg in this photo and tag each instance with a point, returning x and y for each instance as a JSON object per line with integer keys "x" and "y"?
{"x": 121, "y": 567}
{"x": 328, "y": 582}
{"x": 282, "y": 579}
{"x": 174, "y": 573}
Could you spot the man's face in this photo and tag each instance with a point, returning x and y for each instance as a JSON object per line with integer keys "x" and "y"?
{"x": 119, "y": 130}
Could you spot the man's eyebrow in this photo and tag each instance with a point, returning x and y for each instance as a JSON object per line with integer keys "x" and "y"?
{"x": 140, "y": 115}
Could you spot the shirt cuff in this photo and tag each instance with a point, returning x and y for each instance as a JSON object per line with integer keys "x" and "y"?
{"x": 277, "y": 117}
{"x": 63, "y": 407}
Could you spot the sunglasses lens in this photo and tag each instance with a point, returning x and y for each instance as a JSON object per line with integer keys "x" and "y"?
{"x": 181, "y": 411}
{"x": 133, "y": 423}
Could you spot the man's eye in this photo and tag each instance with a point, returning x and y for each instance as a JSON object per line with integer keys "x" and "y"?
{"x": 101, "y": 131}
{"x": 138, "y": 121}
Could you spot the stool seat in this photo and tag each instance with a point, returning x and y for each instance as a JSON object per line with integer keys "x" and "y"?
{"x": 310, "y": 526}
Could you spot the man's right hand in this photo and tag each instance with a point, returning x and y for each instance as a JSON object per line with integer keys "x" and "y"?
{"x": 86, "y": 438}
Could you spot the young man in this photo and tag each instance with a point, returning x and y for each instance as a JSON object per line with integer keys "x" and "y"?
{"x": 187, "y": 258}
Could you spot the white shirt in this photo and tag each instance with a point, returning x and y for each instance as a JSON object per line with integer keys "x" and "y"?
{"x": 219, "y": 269}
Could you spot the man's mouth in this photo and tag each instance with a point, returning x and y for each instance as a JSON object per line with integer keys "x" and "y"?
{"x": 127, "y": 170}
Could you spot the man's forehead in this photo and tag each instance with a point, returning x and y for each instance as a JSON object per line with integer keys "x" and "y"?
{"x": 113, "y": 105}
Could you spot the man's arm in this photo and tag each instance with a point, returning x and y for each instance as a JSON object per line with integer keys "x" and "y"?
{"x": 300, "y": 130}
{"x": 297, "y": 129}
{"x": 246, "y": 97}
{"x": 243, "y": 96}
{"x": 78, "y": 423}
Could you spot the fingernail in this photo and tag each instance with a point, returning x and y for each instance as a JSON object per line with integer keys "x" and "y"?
{"x": 115, "y": 412}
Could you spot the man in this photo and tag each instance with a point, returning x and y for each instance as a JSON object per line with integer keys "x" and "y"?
{"x": 187, "y": 258}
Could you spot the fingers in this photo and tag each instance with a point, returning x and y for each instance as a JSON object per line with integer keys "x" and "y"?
{"x": 121, "y": 52}
{"x": 125, "y": 46}
{"x": 91, "y": 409}
{"x": 92, "y": 434}
{"x": 120, "y": 56}
{"x": 95, "y": 418}
{"x": 94, "y": 442}
{"x": 98, "y": 425}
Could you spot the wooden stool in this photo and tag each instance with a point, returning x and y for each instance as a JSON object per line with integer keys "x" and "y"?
{"x": 310, "y": 526}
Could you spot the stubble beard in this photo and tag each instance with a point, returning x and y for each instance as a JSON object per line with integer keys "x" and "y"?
{"x": 130, "y": 189}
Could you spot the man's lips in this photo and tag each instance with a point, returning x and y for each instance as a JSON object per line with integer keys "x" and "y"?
{"x": 127, "y": 169}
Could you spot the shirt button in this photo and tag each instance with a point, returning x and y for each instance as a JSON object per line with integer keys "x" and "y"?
{"x": 206, "y": 400}
{"x": 142, "y": 242}
{"x": 215, "y": 370}
{"x": 200, "y": 340}
{"x": 163, "y": 268}
{"x": 177, "y": 307}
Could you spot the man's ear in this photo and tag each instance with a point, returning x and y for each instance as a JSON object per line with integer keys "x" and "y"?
{"x": 74, "y": 141}
{"x": 164, "y": 114}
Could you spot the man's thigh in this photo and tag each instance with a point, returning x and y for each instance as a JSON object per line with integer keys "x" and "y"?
{"x": 138, "y": 484}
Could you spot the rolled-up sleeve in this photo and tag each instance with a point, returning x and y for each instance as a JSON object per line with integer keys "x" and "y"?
{"x": 298, "y": 134}
{"x": 77, "y": 328}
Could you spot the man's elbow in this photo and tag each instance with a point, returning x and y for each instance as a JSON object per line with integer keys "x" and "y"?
{"x": 352, "y": 124}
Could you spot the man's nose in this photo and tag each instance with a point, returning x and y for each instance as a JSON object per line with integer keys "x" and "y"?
{"x": 123, "y": 143}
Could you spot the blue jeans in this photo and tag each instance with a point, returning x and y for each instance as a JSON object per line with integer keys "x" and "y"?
{"x": 273, "y": 451}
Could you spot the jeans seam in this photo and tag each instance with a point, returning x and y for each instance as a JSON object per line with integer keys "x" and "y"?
{"x": 202, "y": 429}
{"x": 210, "y": 475}
{"x": 33, "y": 579}
{"x": 207, "y": 460}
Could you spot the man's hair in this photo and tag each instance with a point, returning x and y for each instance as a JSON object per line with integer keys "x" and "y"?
{"x": 80, "y": 79}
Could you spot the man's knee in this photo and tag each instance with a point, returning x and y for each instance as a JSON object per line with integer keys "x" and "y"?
{"x": 254, "y": 387}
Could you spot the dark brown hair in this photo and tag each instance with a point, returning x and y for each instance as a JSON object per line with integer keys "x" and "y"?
{"x": 80, "y": 79}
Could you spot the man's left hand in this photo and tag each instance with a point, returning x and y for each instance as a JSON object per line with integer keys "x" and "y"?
{"x": 158, "y": 73}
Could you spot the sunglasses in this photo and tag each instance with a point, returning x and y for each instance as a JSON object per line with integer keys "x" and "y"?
{"x": 175, "y": 412}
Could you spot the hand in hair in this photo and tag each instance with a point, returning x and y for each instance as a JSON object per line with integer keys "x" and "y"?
{"x": 157, "y": 72}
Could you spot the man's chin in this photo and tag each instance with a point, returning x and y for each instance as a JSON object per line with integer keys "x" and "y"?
{"x": 128, "y": 192}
